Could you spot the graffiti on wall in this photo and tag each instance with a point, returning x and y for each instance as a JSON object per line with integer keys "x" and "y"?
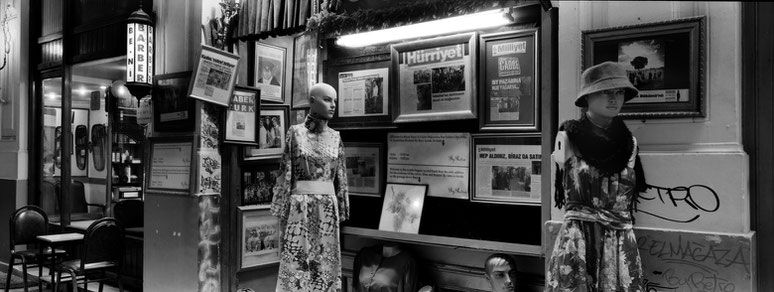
{"x": 698, "y": 199}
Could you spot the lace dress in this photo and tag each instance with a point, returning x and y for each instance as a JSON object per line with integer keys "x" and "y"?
{"x": 311, "y": 199}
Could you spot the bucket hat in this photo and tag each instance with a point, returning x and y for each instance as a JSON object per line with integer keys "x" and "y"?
{"x": 604, "y": 76}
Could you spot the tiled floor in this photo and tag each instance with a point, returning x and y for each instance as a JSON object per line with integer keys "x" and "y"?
{"x": 92, "y": 286}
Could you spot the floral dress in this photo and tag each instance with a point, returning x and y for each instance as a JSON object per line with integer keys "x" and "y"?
{"x": 596, "y": 249}
{"x": 311, "y": 199}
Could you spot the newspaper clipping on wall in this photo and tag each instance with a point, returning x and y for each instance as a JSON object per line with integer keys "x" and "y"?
{"x": 215, "y": 76}
{"x": 435, "y": 80}
{"x": 363, "y": 93}
{"x": 508, "y": 173}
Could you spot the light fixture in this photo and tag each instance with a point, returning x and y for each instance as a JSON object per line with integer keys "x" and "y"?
{"x": 139, "y": 53}
{"x": 480, "y": 20}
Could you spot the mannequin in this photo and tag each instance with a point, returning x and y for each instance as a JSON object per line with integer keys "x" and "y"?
{"x": 500, "y": 271}
{"x": 385, "y": 267}
{"x": 311, "y": 199}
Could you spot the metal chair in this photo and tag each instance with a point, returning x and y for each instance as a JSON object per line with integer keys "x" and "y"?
{"x": 102, "y": 250}
{"x": 25, "y": 225}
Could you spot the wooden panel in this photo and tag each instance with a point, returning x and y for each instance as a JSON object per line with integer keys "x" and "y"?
{"x": 99, "y": 43}
{"x": 51, "y": 16}
{"x": 50, "y": 54}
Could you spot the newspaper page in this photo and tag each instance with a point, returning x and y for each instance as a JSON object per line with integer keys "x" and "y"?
{"x": 508, "y": 173}
{"x": 362, "y": 170}
{"x": 435, "y": 80}
{"x": 363, "y": 93}
{"x": 240, "y": 121}
{"x": 214, "y": 77}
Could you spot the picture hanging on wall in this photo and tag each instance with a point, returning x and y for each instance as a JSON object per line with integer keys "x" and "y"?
{"x": 664, "y": 60}
{"x": 304, "y": 68}
{"x": 298, "y": 115}
{"x": 270, "y": 72}
{"x": 364, "y": 168}
{"x": 173, "y": 111}
{"x": 215, "y": 76}
{"x": 170, "y": 168}
{"x": 507, "y": 169}
{"x": 402, "y": 207}
{"x": 242, "y": 116}
{"x": 273, "y": 124}
{"x": 258, "y": 182}
{"x": 259, "y": 240}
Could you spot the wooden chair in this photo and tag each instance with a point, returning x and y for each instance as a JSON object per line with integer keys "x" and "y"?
{"x": 25, "y": 225}
{"x": 131, "y": 215}
{"x": 102, "y": 250}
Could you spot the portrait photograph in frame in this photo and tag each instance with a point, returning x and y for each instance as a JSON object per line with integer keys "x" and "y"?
{"x": 507, "y": 169}
{"x": 304, "y": 68}
{"x": 259, "y": 237}
{"x": 258, "y": 180}
{"x": 273, "y": 125}
{"x": 402, "y": 207}
{"x": 242, "y": 116}
{"x": 509, "y": 75}
{"x": 364, "y": 89}
{"x": 173, "y": 111}
{"x": 664, "y": 61}
{"x": 435, "y": 79}
{"x": 215, "y": 76}
{"x": 364, "y": 163}
{"x": 269, "y": 74}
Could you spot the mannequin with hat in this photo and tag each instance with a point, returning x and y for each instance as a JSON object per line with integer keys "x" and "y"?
{"x": 598, "y": 177}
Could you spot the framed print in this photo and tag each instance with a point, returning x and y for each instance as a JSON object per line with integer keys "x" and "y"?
{"x": 665, "y": 61}
{"x": 298, "y": 115}
{"x": 215, "y": 75}
{"x": 173, "y": 111}
{"x": 258, "y": 182}
{"x": 508, "y": 70}
{"x": 364, "y": 168}
{"x": 364, "y": 89}
{"x": 270, "y": 72}
{"x": 273, "y": 124}
{"x": 169, "y": 170}
{"x": 434, "y": 79}
{"x": 402, "y": 207}
{"x": 304, "y": 68}
{"x": 259, "y": 237}
{"x": 507, "y": 169}
{"x": 242, "y": 116}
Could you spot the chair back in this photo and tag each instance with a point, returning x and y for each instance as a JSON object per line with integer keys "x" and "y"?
{"x": 49, "y": 194}
{"x": 27, "y": 223}
{"x": 129, "y": 212}
{"x": 103, "y": 241}
{"x": 78, "y": 193}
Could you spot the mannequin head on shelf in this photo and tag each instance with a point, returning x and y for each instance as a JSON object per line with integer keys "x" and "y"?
{"x": 322, "y": 101}
{"x": 500, "y": 271}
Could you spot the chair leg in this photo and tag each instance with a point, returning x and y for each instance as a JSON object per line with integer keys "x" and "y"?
{"x": 41, "y": 262}
{"x": 24, "y": 273}
{"x": 55, "y": 279}
{"x": 102, "y": 282}
{"x": 10, "y": 272}
{"x": 74, "y": 281}
{"x": 118, "y": 279}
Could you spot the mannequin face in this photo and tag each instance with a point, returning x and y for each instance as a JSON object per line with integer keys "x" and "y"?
{"x": 322, "y": 100}
{"x": 502, "y": 276}
{"x": 606, "y": 103}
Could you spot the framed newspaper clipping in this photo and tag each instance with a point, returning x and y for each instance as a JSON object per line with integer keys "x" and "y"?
{"x": 434, "y": 79}
{"x": 507, "y": 169}
{"x": 364, "y": 88}
{"x": 242, "y": 116}
{"x": 364, "y": 163}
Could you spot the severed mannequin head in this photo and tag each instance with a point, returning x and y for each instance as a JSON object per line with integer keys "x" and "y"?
{"x": 500, "y": 270}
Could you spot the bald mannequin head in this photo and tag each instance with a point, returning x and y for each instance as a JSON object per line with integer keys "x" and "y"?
{"x": 322, "y": 101}
{"x": 500, "y": 270}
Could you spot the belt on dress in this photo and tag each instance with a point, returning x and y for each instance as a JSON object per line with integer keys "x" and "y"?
{"x": 313, "y": 187}
{"x": 598, "y": 217}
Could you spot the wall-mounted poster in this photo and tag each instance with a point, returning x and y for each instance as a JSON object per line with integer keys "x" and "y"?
{"x": 242, "y": 116}
{"x": 507, "y": 169}
{"x": 258, "y": 182}
{"x": 509, "y": 75}
{"x": 402, "y": 207}
{"x": 259, "y": 240}
{"x": 304, "y": 68}
{"x": 272, "y": 127}
{"x": 364, "y": 165}
{"x": 170, "y": 165}
{"x": 440, "y": 160}
{"x": 363, "y": 93}
{"x": 435, "y": 78}
{"x": 270, "y": 72}
{"x": 215, "y": 76}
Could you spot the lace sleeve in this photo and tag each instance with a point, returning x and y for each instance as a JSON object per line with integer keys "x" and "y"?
{"x": 279, "y": 203}
{"x": 342, "y": 189}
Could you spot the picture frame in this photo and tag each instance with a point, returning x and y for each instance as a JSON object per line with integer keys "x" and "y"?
{"x": 670, "y": 65}
{"x": 507, "y": 169}
{"x": 271, "y": 138}
{"x": 364, "y": 89}
{"x": 242, "y": 116}
{"x": 509, "y": 72}
{"x": 305, "y": 63}
{"x": 173, "y": 111}
{"x": 402, "y": 207}
{"x": 365, "y": 164}
{"x": 258, "y": 237}
{"x": 269, "y": 72}
{"x": 171, "y": 170}
{"x": 257, "y": 183}
{"x": 215, "y": 76}
{"x": 428, "y": 89}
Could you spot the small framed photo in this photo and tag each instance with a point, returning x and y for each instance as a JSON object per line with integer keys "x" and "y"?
{"x": 304, "y": 68}
{"x": 435, "y": 79}
{"x": 258, "y": 182}
{"x": 259, "y": 237}
{"x": 508, "y": 169}
{"x": 173, "y": 111}
{"x": 170, "y": 169}
{"x": 364, "y": 89}
{"x": 273, "y": 125}
{"x": 242, "y": 116}
{"x": 215, "y": 75}
{"x": 364, "y": 163}
{"x": 269, "y": 74}
{"x": 509, "y": 72}
{"x": 298, "y": 116}
{"x": 665, "y": 62}
{"x": 402, "y": 207}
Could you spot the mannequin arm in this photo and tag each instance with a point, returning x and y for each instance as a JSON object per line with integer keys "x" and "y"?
{"x": 562, "y": 149}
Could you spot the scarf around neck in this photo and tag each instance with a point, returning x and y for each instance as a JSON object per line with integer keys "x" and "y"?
{"x": 315, "y": 125}
{"x": 609, "y": 152}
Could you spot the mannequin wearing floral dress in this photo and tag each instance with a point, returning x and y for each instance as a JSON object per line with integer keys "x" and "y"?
{"x": 311, "y": 199}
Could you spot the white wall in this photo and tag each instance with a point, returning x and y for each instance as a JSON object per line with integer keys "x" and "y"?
{"x": 13, "y": 93}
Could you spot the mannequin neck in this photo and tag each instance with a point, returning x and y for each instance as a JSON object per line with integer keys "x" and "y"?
{"x": 390, "y": 249}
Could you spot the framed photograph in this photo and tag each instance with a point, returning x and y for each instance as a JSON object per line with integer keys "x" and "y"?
{"x": 242, "y": 116}
{"x": 402, "y": 207}
{"x": 507, "y": 169}
{"x": 510, "y": 77}
{"x": 298, "y": 115}
{"x": 364, "y": 168}
{"x": 215, "y": 75}
{"x": 363, "y": 85}
{"x": 258, "y": 182}
{"x": 173, "y": 111}
{"x": 269, "y": 74}
{"x": 259, "y": 237}
{"x": 304, "y": 68}
{"x": 435, "y": 79}
{"x": 273, "y": 124}
{"x": 665, "y": 61}
{"x": 170, "y": 168}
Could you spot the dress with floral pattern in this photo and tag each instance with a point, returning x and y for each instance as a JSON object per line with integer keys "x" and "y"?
{"x": 596, "y": 249}
{"x": 310, "y": 254}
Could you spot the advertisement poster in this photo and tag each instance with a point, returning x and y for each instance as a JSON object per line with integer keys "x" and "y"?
{"x": 241, "y": 116}
{"x": 440, "y": 160}
{"x": 510, "y": 79}
{"x": 644, "y": 62}
{"x": 435, "y": 80}
{"x": 363, "y": 93}
{"x": 270, "y": 71}
{"x": 215, "y": 76}
{"x": 508, "y": 173}
{"x": 171, "y": 166}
